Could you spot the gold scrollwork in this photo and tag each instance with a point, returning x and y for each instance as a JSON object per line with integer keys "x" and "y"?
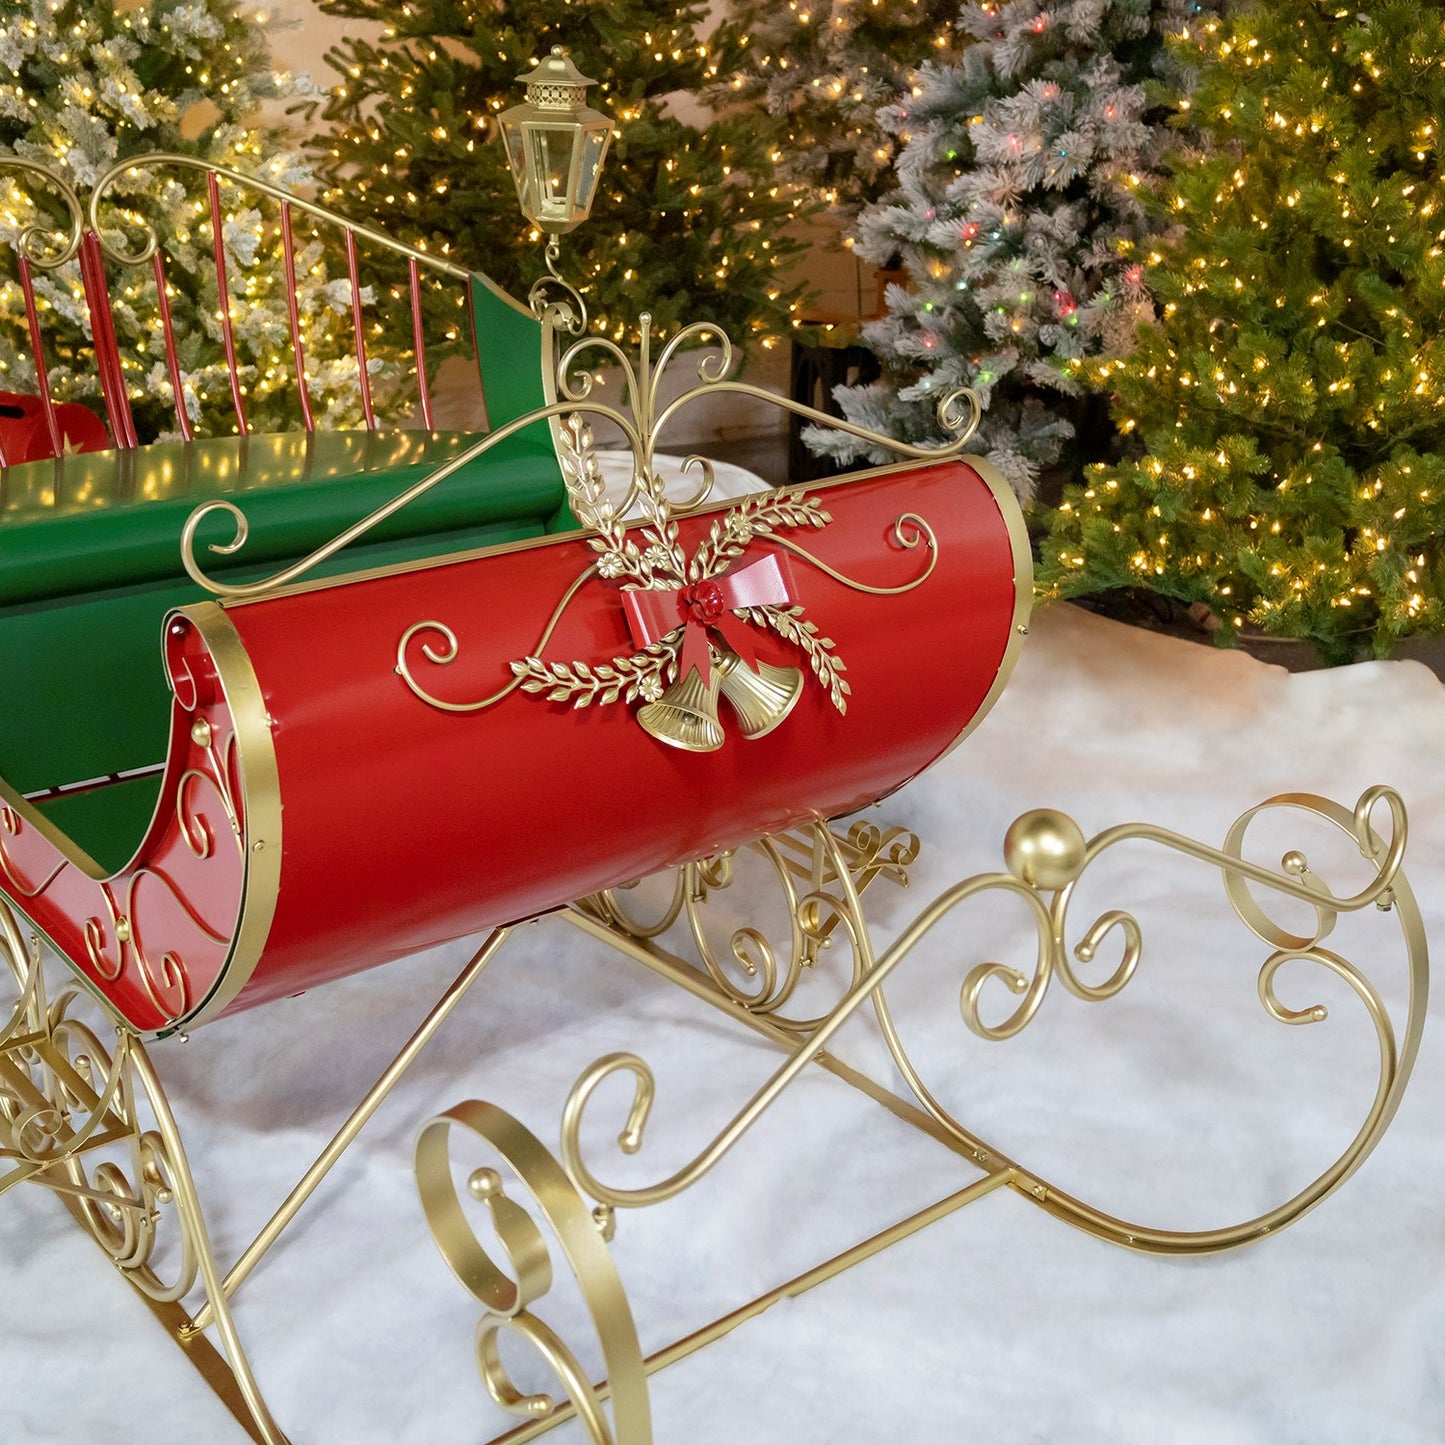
{"x": 642, "y": 420}
{"x": 508, "y": 1293}
{"x": 448, "y": 653}
{"x": 908, "y": 532}
{"x": 1047, "y": 856}
{"x": 47, "y": 247}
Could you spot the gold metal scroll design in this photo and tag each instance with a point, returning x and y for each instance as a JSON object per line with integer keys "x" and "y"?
{"x": 117, "y": 934}
{"x": 1047, "y": 854}
{"x": 45, "y": 246}
{"x": 753, "y": 969}
{"x": 509, "y": 1293}
{"x": 92, "y": 1124}
{"x": 657, "y": 562}
{"x": 641, "y": 420}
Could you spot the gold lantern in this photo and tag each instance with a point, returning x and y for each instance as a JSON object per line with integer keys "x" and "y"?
{"x": 555, "y": 145}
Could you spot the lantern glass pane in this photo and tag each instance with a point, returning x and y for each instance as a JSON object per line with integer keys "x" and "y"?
{"x": 516, "y": 153}
{"x": 552, "y": 148}
{"x": 594, "y": 144}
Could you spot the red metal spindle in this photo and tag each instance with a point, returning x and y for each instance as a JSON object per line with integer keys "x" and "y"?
{"x": 419, "y": 342}
{"x": 218, "y": 246}
{"x": 107, "y": 351}
{"x": 356, "y": 325}
{"x": 293, "y": 315}
{"x": 173, "y": 360}
{"x": 37, "y": 355}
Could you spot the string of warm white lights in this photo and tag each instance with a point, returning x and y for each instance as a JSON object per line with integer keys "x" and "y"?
{"x": 1288, "y": 400}
{"x": 691, "y": 221}
{"x": 84, "y": 85}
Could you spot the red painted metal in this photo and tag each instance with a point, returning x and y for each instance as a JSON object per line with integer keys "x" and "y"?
{"x": 419, "y": 342}
{"x": 24, "y": 436}
{"x": 154, "y": 937}
{"x": 168, "y": 331}
{"x": 37, "y": 355}
{"x": 404, "y": 825}
{"x": 357, "y": 327}
{"x": 293, "y": 316}
{"x": 223, "y": 292}
{"x": 107, "y": 352}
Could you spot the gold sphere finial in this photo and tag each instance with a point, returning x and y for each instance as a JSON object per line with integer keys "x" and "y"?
{"x": 1044, "y": 848}
{"x": 484, "y": 1184}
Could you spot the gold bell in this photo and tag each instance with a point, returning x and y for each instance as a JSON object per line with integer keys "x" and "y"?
{"x": 685, "y": 716}
{"x": 761, "y": 699}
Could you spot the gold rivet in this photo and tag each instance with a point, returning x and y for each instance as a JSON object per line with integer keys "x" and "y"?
{"x": 122, "y": 929}
{"x": 201, "y": 733}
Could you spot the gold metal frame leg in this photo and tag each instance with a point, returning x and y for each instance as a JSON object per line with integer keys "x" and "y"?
{"x": 344, "y": 1137}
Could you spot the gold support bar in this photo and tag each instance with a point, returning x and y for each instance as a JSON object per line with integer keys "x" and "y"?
{"x": 342, "y": 1140}
{"x": 799, "y": 1285}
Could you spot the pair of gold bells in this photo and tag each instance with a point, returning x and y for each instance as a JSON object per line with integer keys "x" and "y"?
{"x": 686, "y": 715}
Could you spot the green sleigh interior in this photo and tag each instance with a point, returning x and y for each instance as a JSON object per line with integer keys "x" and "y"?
{"x": 90, "y": 564}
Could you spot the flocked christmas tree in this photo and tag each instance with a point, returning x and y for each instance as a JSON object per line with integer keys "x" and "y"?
{"x": 825, "y": 68}
{"x": 1019, "y": 175}
{"x": 84, "y": 83}
{"x": 688, "y": 219}
{"x": 1289, "y": 400}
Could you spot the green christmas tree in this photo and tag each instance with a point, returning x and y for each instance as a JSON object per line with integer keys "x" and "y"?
{"x": 1292, "y": 473}
{"x": 83, "y": 85}
{"x": 688, "y": 221}
{"x": 825, "y": 68}
{"x": 1020, "y": 171}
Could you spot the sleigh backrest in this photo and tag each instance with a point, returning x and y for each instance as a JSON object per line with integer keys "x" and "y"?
{"x": 242, "y": 325}
{"x": 235, "y": 296}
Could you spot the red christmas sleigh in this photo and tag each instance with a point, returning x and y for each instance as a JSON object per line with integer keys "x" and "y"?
{"x": 344, "y": 784}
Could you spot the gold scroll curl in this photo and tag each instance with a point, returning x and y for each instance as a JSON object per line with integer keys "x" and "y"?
{"x": 821, "y": 907}
{"x": 49, "y": 247}
{"x": 908, "y": 532}
{"x": 1046, "y": 889}
{"x": 170, "y": 160}
{"x": 641, "y": 423}
{"x": 1049, "y": 902}
{"x": 450, "y": 649}
{"x": 508, "y": 1293}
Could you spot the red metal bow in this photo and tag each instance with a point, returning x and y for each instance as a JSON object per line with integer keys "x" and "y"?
{"x": 653, "y": 612}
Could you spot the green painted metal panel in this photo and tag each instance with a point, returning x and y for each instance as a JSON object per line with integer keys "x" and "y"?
{"x": 84, "y": 689}
{"x": 107, "y": 822}
{"x": 113, "y": 518}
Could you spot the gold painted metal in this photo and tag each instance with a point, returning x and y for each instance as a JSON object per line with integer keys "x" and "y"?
{"x": 555, "y": 145}
{"x": 685, "y": 716}
{"x": 642, "y": 424}
{"x": 171, "y": 160}
{"x": 44, "y": 247}
{"x": 1047, "y": 849}
{"x": 65, "y": 1100}
{"x": 372, "y": 1100}
{"x": 509, "y": 1293}
{"x": 793, "y": 1289}
{"x": 260, "y": 836}
{"x": 762, "y": 697}
{"x": 68, "y": 1107}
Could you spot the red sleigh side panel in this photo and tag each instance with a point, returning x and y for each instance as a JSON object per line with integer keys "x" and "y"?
{"x": 369, "y": 823}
